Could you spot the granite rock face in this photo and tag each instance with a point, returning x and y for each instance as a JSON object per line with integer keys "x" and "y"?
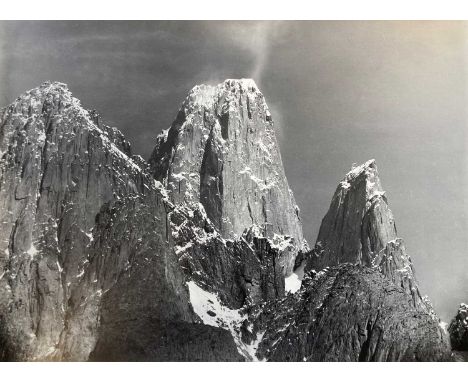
{"x": 57, "y": 168}
{"x": 68, "y": 187}
{"x": 458, "y": 329}
{"x": 241, "y": 271}
{"x": 359, "y": 228}
{"x": 190, "y": 257}
{"x": 221, "y": 152}
{"x": 353, "y": 309}
{"x": 358, "y": 224}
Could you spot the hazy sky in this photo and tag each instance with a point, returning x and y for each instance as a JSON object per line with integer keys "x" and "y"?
{"x": 340, "y": 93}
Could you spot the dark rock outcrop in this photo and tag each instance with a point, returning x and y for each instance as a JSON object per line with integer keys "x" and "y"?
{"x": 458, "y": 329}
{"x": 132, "y": 303}
{"x": 148, "y": 340}
{"x": 242, "y": 271}
{"x": 348, "y": 313}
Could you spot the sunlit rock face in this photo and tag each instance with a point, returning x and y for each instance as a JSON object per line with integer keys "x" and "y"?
{"x": 359, "y": 228}
{"x": 358, "y": 224}
{"x": 222, "y": 152}
{"x": 57, "y": 168}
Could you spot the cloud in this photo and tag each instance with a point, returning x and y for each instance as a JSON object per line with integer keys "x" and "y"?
{"x": 257, "y": 39}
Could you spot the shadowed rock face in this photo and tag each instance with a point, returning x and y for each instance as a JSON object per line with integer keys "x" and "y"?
{"x": 148, "y": 340}
{"x": 348, "y": 313}
{"x": 132, "y": 303}
{"x": 221, "y": 151}
{"x": 458, "y": 329}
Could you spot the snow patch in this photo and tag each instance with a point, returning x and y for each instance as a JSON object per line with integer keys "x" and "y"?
{"x": 212, "y": 312}
{"x": 443, "y": 326}
{"x": 293, "y": 282}
{"x": 204, "y": 302}
{"x": 32, "y": 251}
{"x": 116, "y": 151}
{"x": 180, "y": 249}
{"x": 89, "y": 235}
{"x": 179, "y": 176}
{"x": 281, "y": 242}
{"x": 79, "y": 275}
{"x": 163, "y": 135}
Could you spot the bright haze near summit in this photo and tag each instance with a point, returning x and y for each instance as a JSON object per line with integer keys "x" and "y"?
{"x": 339, "y": 92}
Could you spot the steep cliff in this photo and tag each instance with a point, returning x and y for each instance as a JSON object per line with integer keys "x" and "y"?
{"x": 221, "y": 152}
{"x": 57, "y": 168}
{"x": 359, "y": 228}
{"x": 60, "y": 260}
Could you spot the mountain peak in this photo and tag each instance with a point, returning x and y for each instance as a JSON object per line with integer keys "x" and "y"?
{"x": 209, "y": 96}
{"x": 91, "y": 246}
{"x": 359, "y": 228}
{"x": 54, "y": 86}
{"x": 45, "y": 89}
{"x": 358, "y": 224}
{"x": 222, "y": 152}
{"x": 244, "y": 83}
{"x": 364, "y": 168}
{"x": 53, "y": 98}
{"x": 365, "y": 173}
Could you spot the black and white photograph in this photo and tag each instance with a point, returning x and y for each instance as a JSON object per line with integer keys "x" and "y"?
{"x": 234, "y": 191}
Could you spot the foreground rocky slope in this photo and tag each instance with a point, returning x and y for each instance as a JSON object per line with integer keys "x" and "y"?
{"x": 349, "y": 313}
{"x": 190, "y": 257}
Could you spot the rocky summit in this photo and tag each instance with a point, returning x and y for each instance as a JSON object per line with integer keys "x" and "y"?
{"x": 197, "y": 254}
{"x": 359, "y": 228}
{"x": 221, "y": 155}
